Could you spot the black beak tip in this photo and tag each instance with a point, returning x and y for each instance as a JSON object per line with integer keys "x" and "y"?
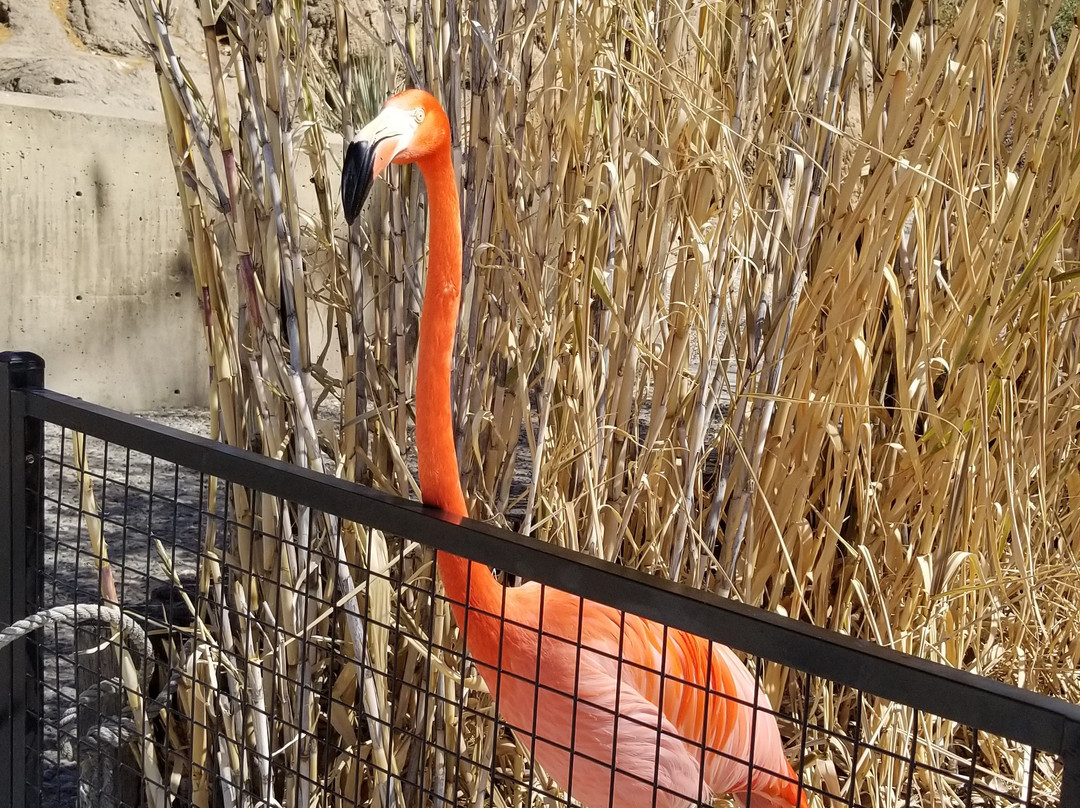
{"x": 356, "y": 178}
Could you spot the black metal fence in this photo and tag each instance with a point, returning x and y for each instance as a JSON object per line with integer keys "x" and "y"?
{"x": 247, "y": 723}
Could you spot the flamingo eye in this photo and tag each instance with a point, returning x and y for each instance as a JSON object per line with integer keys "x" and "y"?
{"x": 418, "y": 114}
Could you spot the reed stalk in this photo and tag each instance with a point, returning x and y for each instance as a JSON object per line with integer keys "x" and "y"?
{"x": 776, "y": 299}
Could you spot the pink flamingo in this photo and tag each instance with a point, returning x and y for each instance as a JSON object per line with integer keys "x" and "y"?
{"x": 604, "y": 722}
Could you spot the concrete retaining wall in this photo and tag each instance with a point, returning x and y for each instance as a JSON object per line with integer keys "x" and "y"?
{"x": 93, "y": 267}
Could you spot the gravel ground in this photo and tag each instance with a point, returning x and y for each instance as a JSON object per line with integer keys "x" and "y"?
{"x": 140, "y": 499}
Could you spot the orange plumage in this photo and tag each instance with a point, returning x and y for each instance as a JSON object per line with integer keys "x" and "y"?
{"x": 655, "y": 717}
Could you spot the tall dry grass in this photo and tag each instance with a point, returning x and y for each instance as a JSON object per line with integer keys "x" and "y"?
{"x": 776, "y": 299}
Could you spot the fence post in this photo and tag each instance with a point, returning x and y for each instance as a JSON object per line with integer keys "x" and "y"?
{"x": 21, "y": 522}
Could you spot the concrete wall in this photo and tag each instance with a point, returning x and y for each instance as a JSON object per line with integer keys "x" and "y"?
{"x": 93, "y": 267}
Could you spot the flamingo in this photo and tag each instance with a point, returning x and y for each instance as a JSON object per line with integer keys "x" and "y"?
{"x": 620, "y": 711}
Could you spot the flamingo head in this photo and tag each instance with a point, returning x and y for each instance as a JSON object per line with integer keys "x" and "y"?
{"x": 411, "y": 127}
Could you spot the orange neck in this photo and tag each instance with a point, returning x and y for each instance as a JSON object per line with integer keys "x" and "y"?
{"x": 440, "y": 480}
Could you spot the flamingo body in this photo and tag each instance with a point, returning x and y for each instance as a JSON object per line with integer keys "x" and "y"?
{"x": 680, "y": 738}
{"x": 620, "y": 711}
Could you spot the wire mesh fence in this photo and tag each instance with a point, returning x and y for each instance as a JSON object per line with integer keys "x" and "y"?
{"x": 196, "y": 657}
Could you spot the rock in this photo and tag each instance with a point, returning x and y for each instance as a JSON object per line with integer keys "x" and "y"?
{"x": 127, "y": 82}
{"x": 366, "y": 24}
{"x": 31, "y": 19}
{"x": 94, "y": 48}
{"x": 88, "y": 49}
{"x": 105, "y": 25}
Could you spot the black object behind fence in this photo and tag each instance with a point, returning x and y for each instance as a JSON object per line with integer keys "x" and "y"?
{"x": 174, "y": 509}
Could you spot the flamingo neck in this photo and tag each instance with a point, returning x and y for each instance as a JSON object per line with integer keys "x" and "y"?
{"x": 440, "y": 480}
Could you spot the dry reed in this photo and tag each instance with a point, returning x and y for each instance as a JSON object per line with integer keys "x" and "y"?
{"x": 777, "y": 300}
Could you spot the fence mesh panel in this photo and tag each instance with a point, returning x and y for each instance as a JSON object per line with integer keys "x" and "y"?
{"x": 328, "y": 669}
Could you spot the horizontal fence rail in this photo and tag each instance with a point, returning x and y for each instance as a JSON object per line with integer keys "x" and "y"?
{"x": 1029, "y": 718}
{"x": 1042, "y": 723}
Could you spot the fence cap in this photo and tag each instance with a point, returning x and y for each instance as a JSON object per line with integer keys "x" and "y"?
{"x": 21, "y": 360}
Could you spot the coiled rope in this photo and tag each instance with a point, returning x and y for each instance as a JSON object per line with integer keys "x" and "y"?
{"x": 73, "y": 613}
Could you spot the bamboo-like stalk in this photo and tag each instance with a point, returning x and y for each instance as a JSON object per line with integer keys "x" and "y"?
{"x": 777, "y": 300}
{"x": 131, "y": 674}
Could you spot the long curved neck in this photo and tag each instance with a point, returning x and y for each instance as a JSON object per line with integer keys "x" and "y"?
{"x": 440, "y": 480}
{"x": 440, "y": 483}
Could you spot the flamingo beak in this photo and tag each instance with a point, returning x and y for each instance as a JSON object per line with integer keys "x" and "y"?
{"x": 370, "y": 152}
